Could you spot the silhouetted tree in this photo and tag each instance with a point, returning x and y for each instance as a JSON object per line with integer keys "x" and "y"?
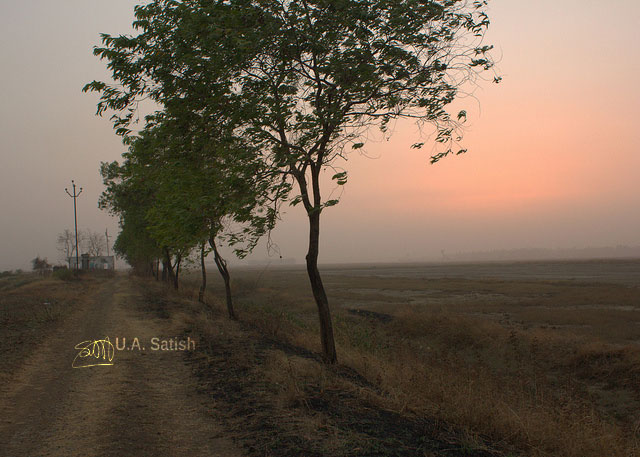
{"x": 95, "y": 243}
{"x": 66, "y": 245}
{"x": 42, "y": 266}
{"x": 306, "y": 80}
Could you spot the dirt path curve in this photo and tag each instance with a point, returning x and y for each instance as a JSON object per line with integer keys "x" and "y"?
{"x": 146, "y": 404}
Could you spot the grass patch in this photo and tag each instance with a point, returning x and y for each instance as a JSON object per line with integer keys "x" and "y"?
{"x": 547, "y": 367}
{"x": 30, "y": 308}
{"x": 277, "y": 398}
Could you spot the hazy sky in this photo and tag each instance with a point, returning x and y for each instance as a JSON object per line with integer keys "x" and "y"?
{"x": 553, "y": 161}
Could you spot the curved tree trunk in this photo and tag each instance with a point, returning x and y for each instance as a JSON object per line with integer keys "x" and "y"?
{"x": 326, "y": 328}
{"x": 203, "y": 285}
{"x": 224, "y": 272}
{"x": 172, "y": 270}
{"x": 313, "y": 205}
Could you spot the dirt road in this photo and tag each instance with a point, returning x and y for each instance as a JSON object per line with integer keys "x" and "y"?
{"x": 145, "y": 404}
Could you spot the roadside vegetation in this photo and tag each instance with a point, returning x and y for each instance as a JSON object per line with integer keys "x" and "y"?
{"x": 279, "y": 399}
{"x": 31, "y": 307}
{"x": 509, "y": 371}
{"x": 257, "y": 102}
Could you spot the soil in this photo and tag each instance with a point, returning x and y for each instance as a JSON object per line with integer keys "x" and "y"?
{"x": 227, "y": 398}
{"x": 145, "y": 404}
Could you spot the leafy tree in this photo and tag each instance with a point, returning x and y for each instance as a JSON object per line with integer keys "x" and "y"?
{"x": 209, "y": 186}
{"x": 306, "y": 80}
{"x": 42, "y": 266}
{"x": 129, "y": 198}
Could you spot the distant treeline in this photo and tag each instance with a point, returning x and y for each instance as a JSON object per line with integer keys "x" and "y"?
{"x": 617, "y": 252}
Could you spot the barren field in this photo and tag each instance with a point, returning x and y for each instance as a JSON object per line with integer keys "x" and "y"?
{"x": 544, "y": 357}
{"x": 523, "y": 359}
{"x": 591, "y": 298}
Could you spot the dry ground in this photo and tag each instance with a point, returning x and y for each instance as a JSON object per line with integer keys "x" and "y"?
{"x": 464, "y": 364}
{"x": 279, "y": 399}
{"x": 145, "y": 404}
{"x": 241, "y": 392}
{"x": 547, "y": 363}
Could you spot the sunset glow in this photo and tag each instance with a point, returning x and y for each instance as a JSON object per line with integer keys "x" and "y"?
{"x": 555, "y": 144}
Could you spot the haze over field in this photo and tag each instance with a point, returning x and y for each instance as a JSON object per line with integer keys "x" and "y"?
{"x": 553, "y": 162}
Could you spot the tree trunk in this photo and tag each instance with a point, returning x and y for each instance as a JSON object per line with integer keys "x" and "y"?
{"x": 203, "y": 286}
{"x": 326, "y": 328}
{"x": 177, "y": 271}
{"x": 167, "y": 265}
{"x": 222, "y": 268}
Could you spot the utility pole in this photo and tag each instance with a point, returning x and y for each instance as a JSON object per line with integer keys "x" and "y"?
{"x": 75, "y": 216}
{"x": 106, "y": 235}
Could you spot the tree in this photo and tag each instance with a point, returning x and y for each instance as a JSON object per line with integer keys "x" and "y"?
{"x": 42, "y": 266}
{"x": 129, "y": 198}
{"x": 209, "y": 186}
{"x": 95, "y": 243}
{"x": 66, "y": 245}
{"x": 306, "y": 79}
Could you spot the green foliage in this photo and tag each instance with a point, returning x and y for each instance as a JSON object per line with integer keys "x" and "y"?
{"x": 64, "y": 274}
{"x": 298, "y": 80}
{"x": 129, "y": 195}
{"x": 340, "y": 178}
{"x": 259, "y": 95}
{"x": 40, "y": 265}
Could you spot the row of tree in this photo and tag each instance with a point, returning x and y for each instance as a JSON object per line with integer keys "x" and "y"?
{"x": 257, "y": 98}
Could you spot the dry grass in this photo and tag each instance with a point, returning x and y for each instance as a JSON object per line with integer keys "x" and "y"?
{"x": 515, "y": 386}
{"x": 30, "y": 307}
{"x": 278, "y": 399}
{"x": 550, "y": 367}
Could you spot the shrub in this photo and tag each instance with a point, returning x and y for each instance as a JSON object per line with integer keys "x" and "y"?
{"x": 65, "y": 274}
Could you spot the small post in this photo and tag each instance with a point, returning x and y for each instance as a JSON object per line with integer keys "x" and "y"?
{"x": 75, "y": 216}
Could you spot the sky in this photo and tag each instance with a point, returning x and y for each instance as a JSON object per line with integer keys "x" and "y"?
{"x": 553, "y": 151}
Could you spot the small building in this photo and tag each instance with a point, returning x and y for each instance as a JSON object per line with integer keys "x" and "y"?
{"x": 100, "y": 262}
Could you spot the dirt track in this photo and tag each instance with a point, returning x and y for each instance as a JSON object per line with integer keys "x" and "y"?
{"x": 145, "y": 404}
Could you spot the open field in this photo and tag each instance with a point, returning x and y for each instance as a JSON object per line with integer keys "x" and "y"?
{"x": 31, "y": 308}
{"x": 544, "y": 357}
{"x": 452, "y": 360}
{"x": 593, "y": 299}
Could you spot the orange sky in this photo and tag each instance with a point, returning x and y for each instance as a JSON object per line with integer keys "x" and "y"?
{"x": 553, "y": 161}
{"x": 554, "y": 153}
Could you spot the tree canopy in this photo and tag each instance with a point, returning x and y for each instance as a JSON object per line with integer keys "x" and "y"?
{"x": 301, "y": 82}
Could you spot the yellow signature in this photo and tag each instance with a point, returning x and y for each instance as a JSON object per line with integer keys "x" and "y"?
{"x": 94, "y": 353}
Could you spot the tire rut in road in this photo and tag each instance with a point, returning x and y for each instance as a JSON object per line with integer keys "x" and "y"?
{"x": 144, "y": 405}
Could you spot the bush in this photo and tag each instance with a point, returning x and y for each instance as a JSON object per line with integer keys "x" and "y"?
{"x": 64, "y": 274}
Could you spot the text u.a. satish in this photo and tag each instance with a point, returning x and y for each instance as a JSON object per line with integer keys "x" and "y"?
{"x": 156, "y": 344}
